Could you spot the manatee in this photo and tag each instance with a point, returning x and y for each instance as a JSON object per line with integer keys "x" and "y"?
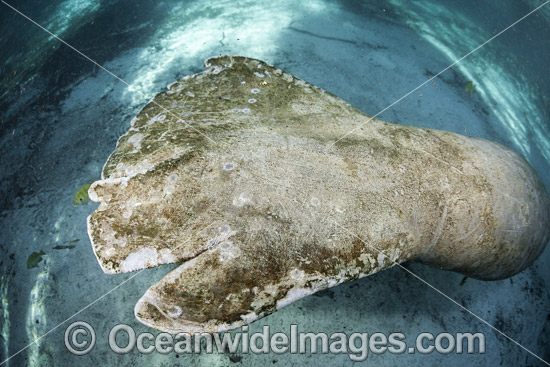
{"x": 268, "y": 189}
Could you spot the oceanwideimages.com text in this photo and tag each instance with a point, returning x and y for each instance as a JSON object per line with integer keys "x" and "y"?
{"x": 357, "y": 345}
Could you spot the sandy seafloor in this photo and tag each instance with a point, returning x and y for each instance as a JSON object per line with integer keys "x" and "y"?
{"x": 61, "y": 117}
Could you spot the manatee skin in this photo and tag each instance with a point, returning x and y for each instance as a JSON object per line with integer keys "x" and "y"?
{"x": 241, "y": 172}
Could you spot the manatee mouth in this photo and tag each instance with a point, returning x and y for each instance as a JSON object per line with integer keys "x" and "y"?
{"x": 268, "y": 189}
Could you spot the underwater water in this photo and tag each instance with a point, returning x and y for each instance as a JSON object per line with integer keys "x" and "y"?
{"x": 61, "y": 116}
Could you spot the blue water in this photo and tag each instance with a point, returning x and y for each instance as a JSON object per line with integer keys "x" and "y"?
{"x": 60, "y": 117}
